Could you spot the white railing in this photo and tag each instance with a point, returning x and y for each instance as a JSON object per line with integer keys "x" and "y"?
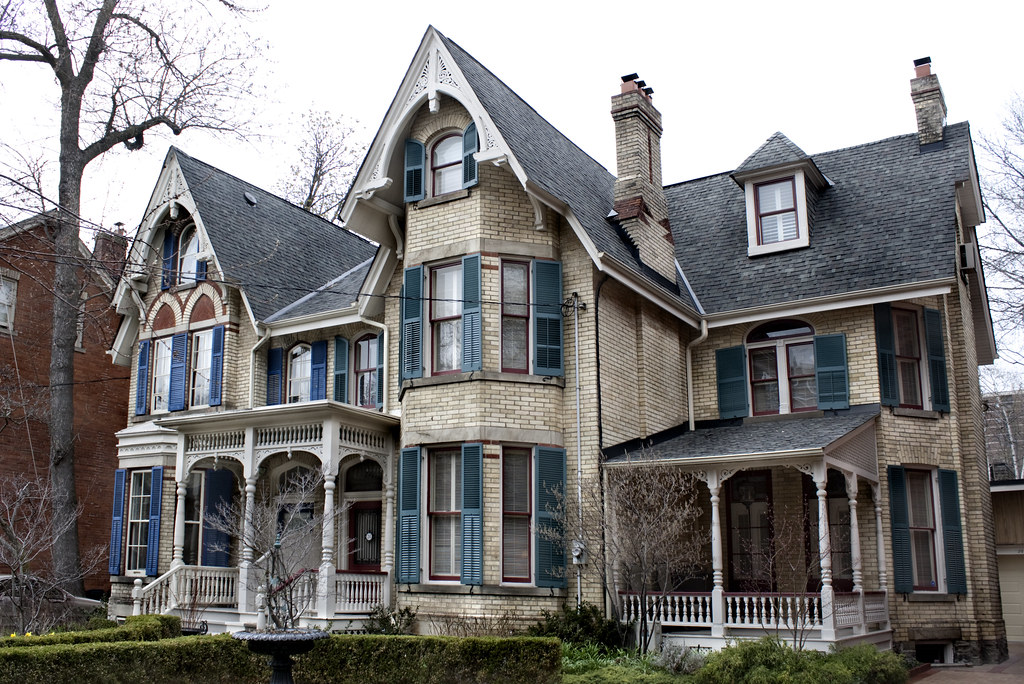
{"x": 774, "y": 611}
{"x": 362, "y": 438}
{"x": 284, "y": 435}
{"x": 186, "y": 587}
{"x": 876, "y": 606}
{"x": 232, "y": 440}
{"x": 689, "y": 610}
{"x": 846, "y": 606}
{"x": 356, "y": 592}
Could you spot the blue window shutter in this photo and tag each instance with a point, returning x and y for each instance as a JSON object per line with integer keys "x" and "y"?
{"x": 219, "y": 484}
{"x": 903, "y": 574}
{"x": 936, "y": 360}
{"x": 731, "y": 373}
{"x": 179, "y": 363}
{"x": 142, "y": 380}
{"x": 412, "y": 324}
{"x": 117, "y": 523}
{"x": 952, "y": 533}
{"x": 217, "y": 365}
{"x": 885, "y": 340}
{"x": 167, "y": 272}
{"x": 547, "y": 318}
{"x": 409, "y": 516}
{"x": 415, "y": 156}
{"x": 469, "y": 146}
{"x": 830, "y": 371}
{"x": 472, "y": 514}
{"x": 275, "y": 366}
{"x": 550, "y": 479}
{"x": 200, "y": 271}
{"x": 472, "y": 353}
{"x": 318, "y": 371}
{"x": 153, "y": 542}
{"x": 341, "y": 370}
{"x": 380, "y": 370}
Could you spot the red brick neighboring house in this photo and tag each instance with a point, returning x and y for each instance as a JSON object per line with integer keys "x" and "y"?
{"x": 26, "y": 311}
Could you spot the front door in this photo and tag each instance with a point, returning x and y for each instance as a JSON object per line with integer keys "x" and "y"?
{"x": 364, "y": 536}
{"x": 749, "y": 505}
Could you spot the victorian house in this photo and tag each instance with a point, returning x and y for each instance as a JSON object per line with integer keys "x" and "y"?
{"x": 503, "y": 320}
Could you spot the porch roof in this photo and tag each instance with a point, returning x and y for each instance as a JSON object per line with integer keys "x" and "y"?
{"x": 796, "y": 436}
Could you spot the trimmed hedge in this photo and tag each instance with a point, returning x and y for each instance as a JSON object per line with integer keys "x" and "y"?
{"x": 135, "y": 628}
{"x": 342, "y": 659}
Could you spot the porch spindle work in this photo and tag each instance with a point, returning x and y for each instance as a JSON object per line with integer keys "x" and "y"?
{"x": 827, "y": 614}
{"x": 717, "y": 566}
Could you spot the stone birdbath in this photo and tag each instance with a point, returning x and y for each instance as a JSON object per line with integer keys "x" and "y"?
{"x": 281, "y": 645}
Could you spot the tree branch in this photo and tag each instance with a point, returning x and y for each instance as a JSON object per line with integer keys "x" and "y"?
{"x": 44, "y": 52}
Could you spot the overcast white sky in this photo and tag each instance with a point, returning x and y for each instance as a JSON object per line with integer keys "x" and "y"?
{"x": 725, "y": 77}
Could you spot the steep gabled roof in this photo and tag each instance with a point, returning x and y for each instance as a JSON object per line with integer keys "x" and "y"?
{"x": 281, "y": 256}
{"x": 775, "y": 151}
{"x": 887, "y": 221}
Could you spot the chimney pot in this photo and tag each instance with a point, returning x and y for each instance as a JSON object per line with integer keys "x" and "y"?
{"x": 929, "y": 103}
{"x": 922, "y": 67}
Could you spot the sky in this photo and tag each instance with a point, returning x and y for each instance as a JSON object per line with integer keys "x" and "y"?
{"x": 726, "y": 76}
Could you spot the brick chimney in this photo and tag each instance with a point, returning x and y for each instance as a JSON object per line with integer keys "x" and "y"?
{"x": 639, "y": 193}
{"x": 110, "y": 249}
{"x": 929, "y": 104}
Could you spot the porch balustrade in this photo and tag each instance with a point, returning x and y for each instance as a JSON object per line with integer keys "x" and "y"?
{"x": 774, "y": 611}
{"x": 231, "y": 440}
{"x": 185, "y": 588}
{"x": 361, "y": 438}
{"x": 359, "y": 592}
{"x": 289, "y": 435}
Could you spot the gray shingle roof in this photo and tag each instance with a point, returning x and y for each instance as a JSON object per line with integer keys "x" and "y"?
{"x": 558, "y": 166}
{"x": 758, "y": 437}
{"x": 777, "y": 150}
{"x": 275, "y": 251}
{"x": 887, "y": 220}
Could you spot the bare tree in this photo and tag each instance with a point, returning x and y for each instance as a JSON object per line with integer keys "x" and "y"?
{"x": 642, "y": 537}
{"x": 31, "y": 598}
{"x": 1003, "y": 403}
{"x": 123, "y": 68}
{"x": 329, "y": 156}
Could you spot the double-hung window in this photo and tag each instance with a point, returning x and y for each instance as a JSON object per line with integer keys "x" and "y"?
{"x": 908, "y": 356}
{"x": 911, "y": 357}
{"x": 444, "y": 512}
{"x": 515, "y": 316}
{"x": 202, "y": 365}
{"x": 515, "y": 514}
{"x": 446, "y": 318}
{"x": 300, "y": 359}
{"x": 8, "y": 298}
{"x": 452, "y": 165}
{"x": 366, "y": 370}
{"x": 138, "y": 520}
{"x": 193, "y": 517}
{"x": 921, "y": 521}
{"x": 188, "y": 253}
{"x": 776, "y": 211}
{"x": 161, "y": 373}
{"x": 446, "y": 164}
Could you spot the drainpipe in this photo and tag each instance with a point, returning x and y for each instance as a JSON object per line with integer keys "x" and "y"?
{"x": 252, "y": 367}
{"x": 689, "y": 371}
{"x": 387, "y": 370}
{"x": 576, "y": 306}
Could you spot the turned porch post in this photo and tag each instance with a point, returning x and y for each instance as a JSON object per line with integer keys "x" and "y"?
{"x": 876, "y": 497}
{"x": 855, "y": 558}
{"x": 718, "y": 591}
{"x": 178, "y": 557}
{"x": 251, "y": 474}
{"x": 325, "y": 592}
{"x": 828, "y": 618}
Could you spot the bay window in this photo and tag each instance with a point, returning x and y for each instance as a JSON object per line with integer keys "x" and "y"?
{"x": 515, "y": 316}
{"x": 202, "y": 365}
{"x": 366, "y": 370}
{"x": 161, "y": 374}
{"x": 515, "y": 514}
{"x": 299, "y": 373}
{"x": 446, "y": 318}
{"x": 444, "y": 513}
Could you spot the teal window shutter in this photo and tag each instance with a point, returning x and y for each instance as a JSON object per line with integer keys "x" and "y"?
{"x": 731, "y": 371}
{"x": 415, "y": 160}
{"x": 952, "y": 533}
{"x": 318, "y": 370}
{"x": 341, "y": 370}
{"x": 117, "y": 523}
{"x": 275, "y": 368}
{"x": 409, "y": 516}
{"x": 550, "y": 486}
{"x": 380, "y": 370}
{"x": 547, "y": 318}
{"x": 179, "y": 362}
{"x": 936, "y": 360}
{"x": 885, "y": 340}
{"x": 412, "y": 324}
{"x": 469, "y": 147}
{"x": 830, "y": 371}
{"x": 142, "y": 380}
{"x": 219, "y": 485}
{"x": 167, "y": 272}
{"x": 472, "y": 514}
{"x": 472, "y": 352}
{"x": 217, "y": 365}
{"x": 153, "y": 542}
{"x": 903, "y": 573}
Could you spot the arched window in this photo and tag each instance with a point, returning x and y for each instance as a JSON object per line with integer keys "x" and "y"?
{"x": 366, "y": 371}
{"x": 781, "y": 355}
{"x": 188, "y": 251}
{"x": 299, "y": 373}
{"x": 446, "y": 164}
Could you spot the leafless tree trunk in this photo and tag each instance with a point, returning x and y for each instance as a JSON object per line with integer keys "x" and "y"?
{"x": 123, "y": 68}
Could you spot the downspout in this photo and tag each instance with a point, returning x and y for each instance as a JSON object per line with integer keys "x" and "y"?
{"x": 252, "y": 367}
{"x": 689, "y": 371}
{"x": 384, "y": 329}
{"x": 600, "y": 431}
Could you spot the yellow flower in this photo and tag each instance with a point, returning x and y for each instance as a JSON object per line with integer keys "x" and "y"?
{"x": 13, "y": 634}
{"x": 28, "y": 633}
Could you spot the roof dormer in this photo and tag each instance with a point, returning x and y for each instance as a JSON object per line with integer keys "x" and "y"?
{"x": 779, "y": 180}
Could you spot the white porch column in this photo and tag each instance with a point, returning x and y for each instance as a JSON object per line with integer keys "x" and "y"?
{"x": 178, "y": 557}
{"x": 828, "y": 621}
{"x": 389, "y": 517}
{"x": 855, "y": 558}
{"x": 717, "y": 566}
{"x": 250, "y": 473}
{"x": 876, "y": 497}
{"x": 325, "y": 591}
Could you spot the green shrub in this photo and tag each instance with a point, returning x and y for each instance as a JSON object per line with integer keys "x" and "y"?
{"x": 136, "y": 628}
{"x": 678, "y": 660}
{"x": 583, "y": 625}
{"x": 620, "y": 674}
{"x": 870, "y": 666}
{"x": 384, "y": 620}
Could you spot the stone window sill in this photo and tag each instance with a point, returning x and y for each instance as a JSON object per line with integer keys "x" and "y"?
{"x": 497, "y": 376}
{"x": 484, "y": 590}
{"x": 915, "y": 413}
{"x": 441, "y": 199}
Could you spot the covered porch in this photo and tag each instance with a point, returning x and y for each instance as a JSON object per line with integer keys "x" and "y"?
{"x": 796, "y": 551}
{"x": 245, "y": 465}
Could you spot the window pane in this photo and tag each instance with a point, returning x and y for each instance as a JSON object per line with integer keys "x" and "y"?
{"x": 447, "y": 294}
{"x": 924, "y": 558}
{"x": 919, "y": 490}
{"x": 801, "y": 359}
{"x": 202, "y": 357}
{"x": 515, "y": 482}
{"x": 513, "y": 343}
{"x": 775, "y": 196}
{"x": 7, "y": 298}
{"x": 189, "y": 251}
{"x": 446, "y": 551}
{"x": 514, "y": 279}
{"x": 448, "y": 179}
{"x": 766, "y": 397}
{"x": 803, "y": 393}
{"x": 763, "y": 365}
{"x": 448, "y": 345}
{"x": 445, "y": 481}
{"x": 448, "y": 151}
{"x": 910, "y": 386}
{"x": 299, "y": 370}
{"x": 905, "y": 323}
{"x": 515, "y": 546}
{"x": 161, "y": 373}
{"x": 367, "y": 388}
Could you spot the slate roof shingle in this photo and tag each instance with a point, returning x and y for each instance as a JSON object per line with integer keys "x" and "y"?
{"x": 275, "y": 251}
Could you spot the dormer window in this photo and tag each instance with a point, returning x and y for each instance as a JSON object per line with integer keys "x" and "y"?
{"x": 776, "y": 212}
